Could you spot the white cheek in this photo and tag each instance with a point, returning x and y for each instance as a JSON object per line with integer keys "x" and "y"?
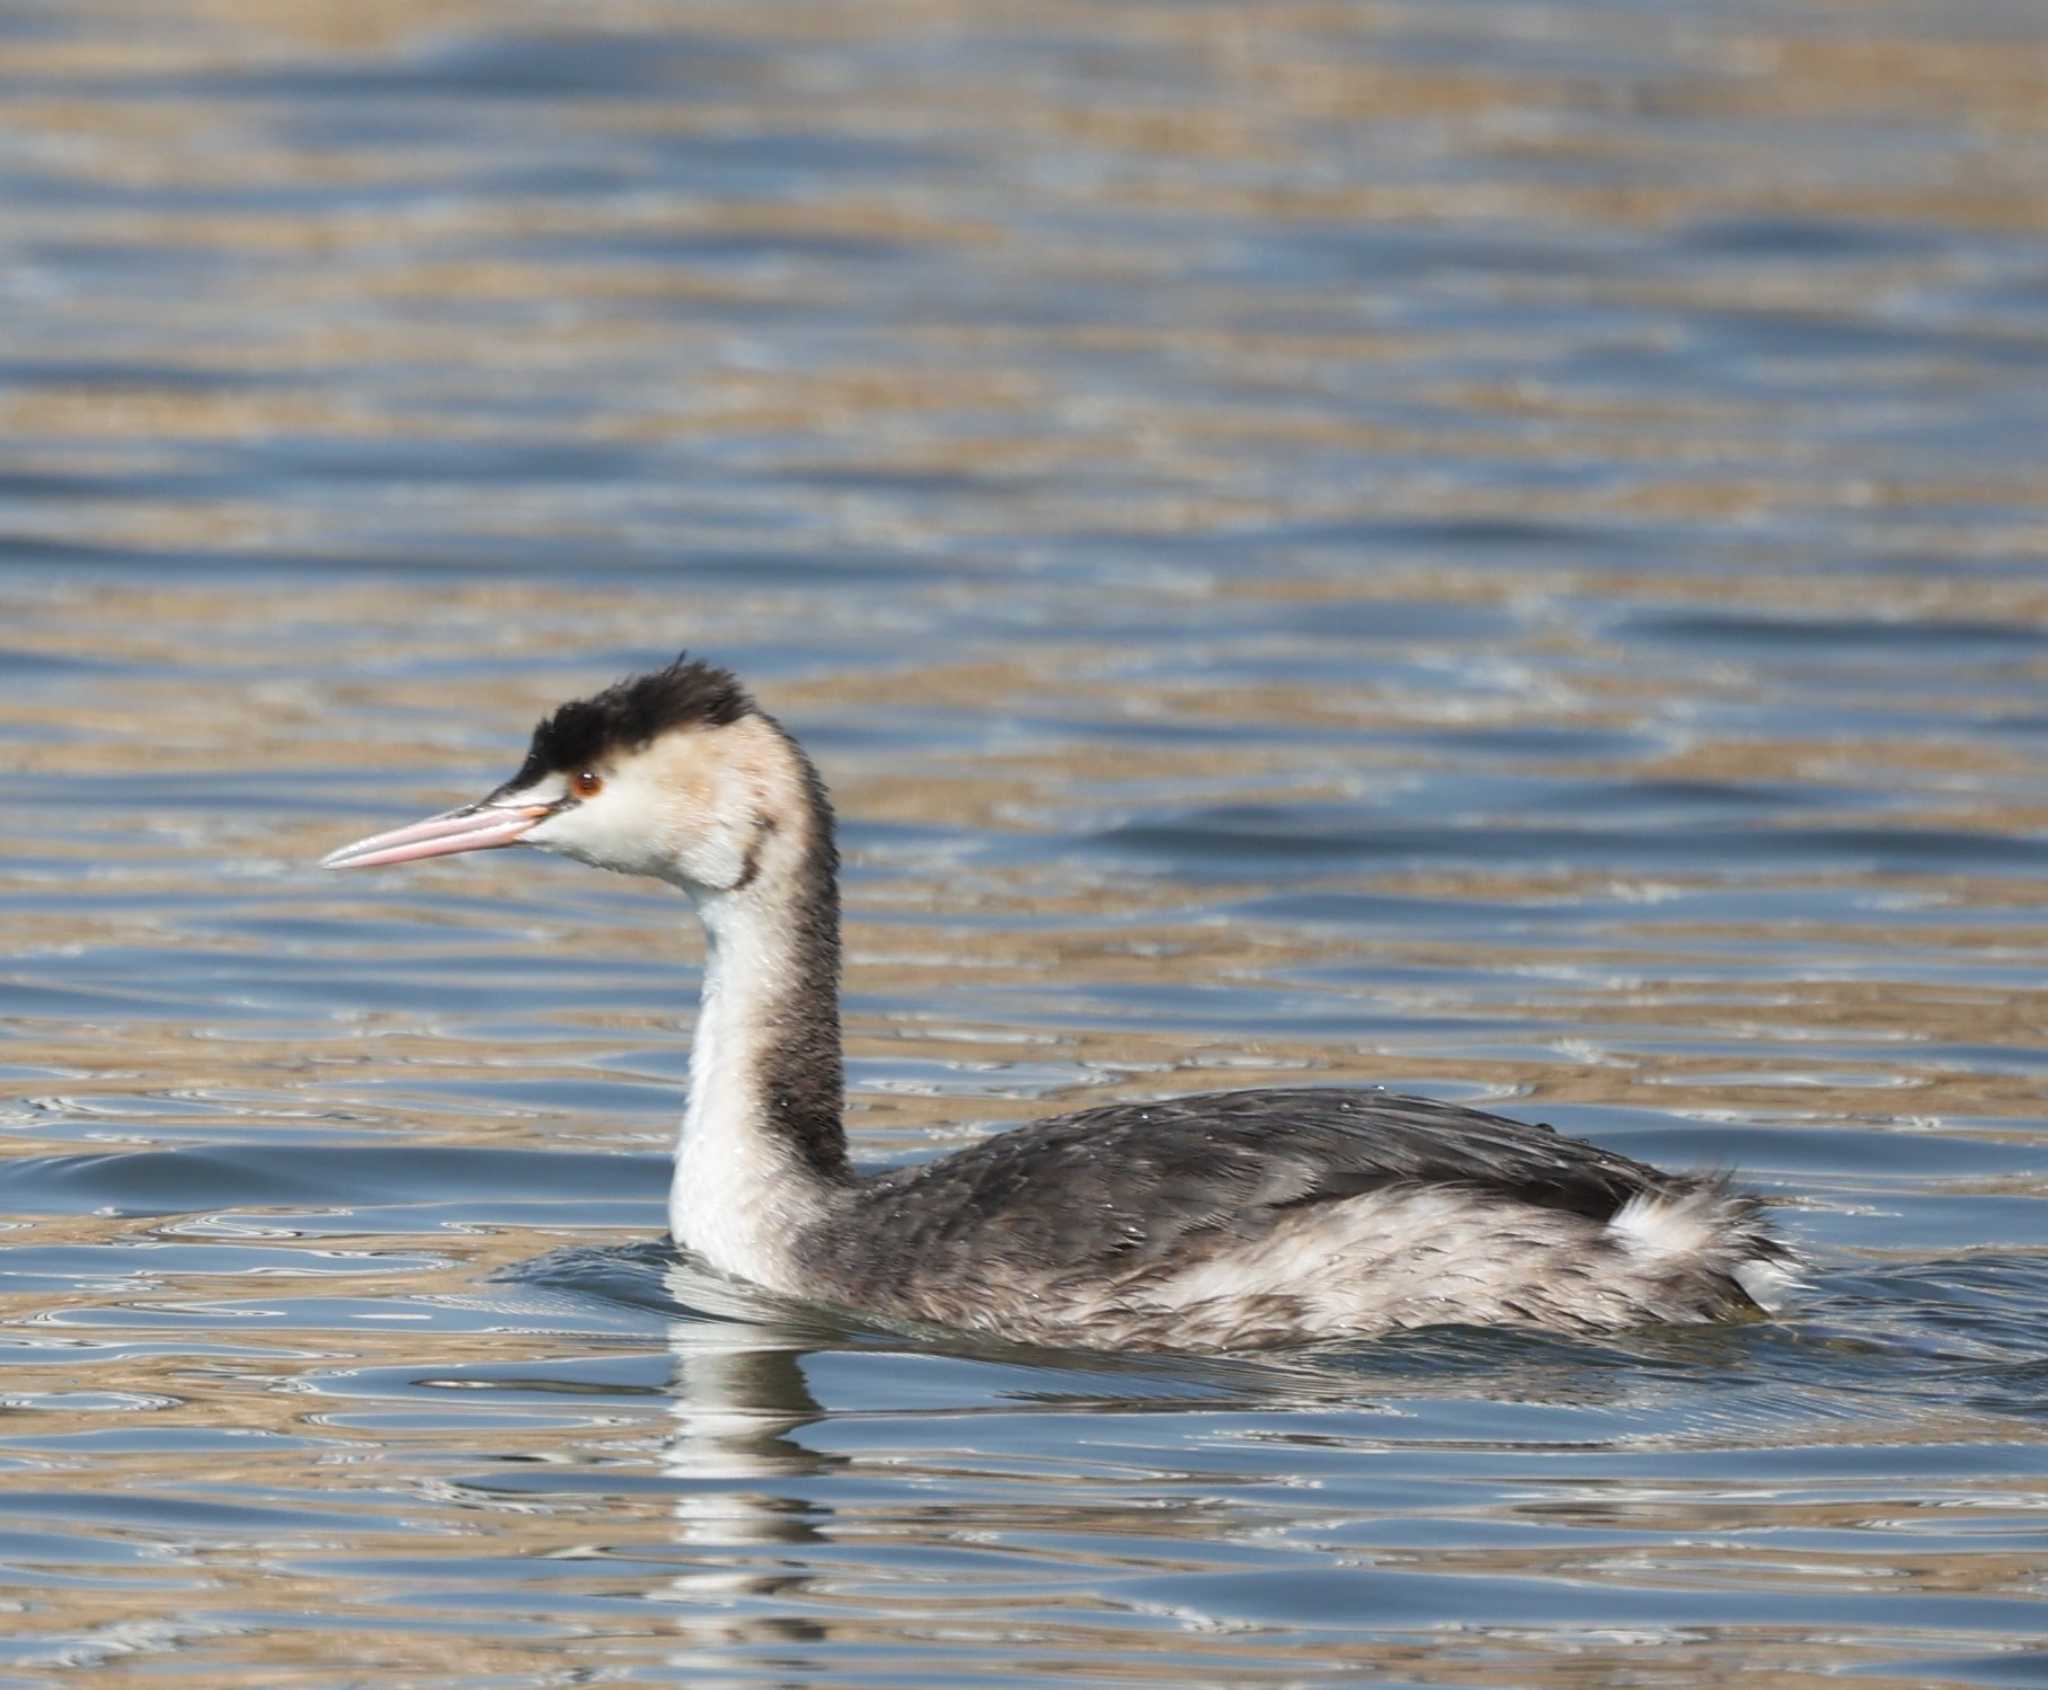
{"x": 608, "y": 831}
{"x": 635, "y": 826}
{"x": 713, "y": 860}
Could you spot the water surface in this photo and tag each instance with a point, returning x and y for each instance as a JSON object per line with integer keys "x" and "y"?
{"x": 1494, "y": 550}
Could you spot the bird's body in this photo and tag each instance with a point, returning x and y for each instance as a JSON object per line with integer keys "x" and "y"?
{"x": 1220, "y": 1221}
{"x": 1241, "y": 1219}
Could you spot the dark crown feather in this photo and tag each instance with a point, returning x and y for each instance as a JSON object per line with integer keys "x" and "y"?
{"x": 629, "y": 714}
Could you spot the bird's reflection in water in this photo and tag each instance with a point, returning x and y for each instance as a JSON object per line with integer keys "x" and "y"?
{"x": 743, "y": 1503}
{"x": 760, "y": 1513}
{"x": 739, "y": 1392}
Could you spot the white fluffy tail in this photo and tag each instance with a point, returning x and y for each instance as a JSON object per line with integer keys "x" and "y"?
{"x": 1702, "y": 1223}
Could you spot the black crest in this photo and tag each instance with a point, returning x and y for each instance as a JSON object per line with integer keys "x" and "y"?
{"x": 626, "y": 716}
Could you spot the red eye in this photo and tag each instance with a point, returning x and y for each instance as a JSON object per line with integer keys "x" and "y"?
{"x": 588, "y": 784}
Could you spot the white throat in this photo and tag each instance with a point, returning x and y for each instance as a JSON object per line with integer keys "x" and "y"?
{"x": 741, "y": 1191}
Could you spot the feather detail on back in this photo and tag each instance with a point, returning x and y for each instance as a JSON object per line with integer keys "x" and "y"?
{"x": 1267, "y": 1216}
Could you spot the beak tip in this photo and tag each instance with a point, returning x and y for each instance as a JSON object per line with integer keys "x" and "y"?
{"x": 474, "y": 827}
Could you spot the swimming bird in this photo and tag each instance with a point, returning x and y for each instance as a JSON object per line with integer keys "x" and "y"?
{"x": 1221, "y": 1221}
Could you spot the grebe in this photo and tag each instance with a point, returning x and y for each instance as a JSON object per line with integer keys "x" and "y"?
{"x": 1222, "y": 1221}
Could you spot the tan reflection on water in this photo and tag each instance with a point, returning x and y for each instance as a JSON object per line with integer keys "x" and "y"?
{"x": 347, "y": 319}
{"x": 1040, "y": 923}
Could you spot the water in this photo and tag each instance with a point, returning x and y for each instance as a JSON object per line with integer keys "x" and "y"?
{"x": 1492, "y": 549}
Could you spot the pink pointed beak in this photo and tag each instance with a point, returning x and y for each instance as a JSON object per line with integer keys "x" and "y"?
{"x": 474, "y": 827}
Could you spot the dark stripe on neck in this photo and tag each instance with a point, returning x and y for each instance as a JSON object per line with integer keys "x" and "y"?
{"x": 801, "y": 1072}
{"x": 764, "y": 826}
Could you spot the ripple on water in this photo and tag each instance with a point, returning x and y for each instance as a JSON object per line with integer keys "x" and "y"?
{"x": 1516, "y": 611}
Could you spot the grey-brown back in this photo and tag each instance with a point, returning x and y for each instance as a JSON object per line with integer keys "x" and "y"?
{"x": 1099, "y": 1210}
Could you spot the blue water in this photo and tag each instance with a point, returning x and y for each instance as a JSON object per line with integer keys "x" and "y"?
{"x": 1493, "y": 550}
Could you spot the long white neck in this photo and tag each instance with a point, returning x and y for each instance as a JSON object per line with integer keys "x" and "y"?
{"x": 762, "y": 1152}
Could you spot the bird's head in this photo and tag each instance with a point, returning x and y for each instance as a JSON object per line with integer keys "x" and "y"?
{"x": 675, "y": 774}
